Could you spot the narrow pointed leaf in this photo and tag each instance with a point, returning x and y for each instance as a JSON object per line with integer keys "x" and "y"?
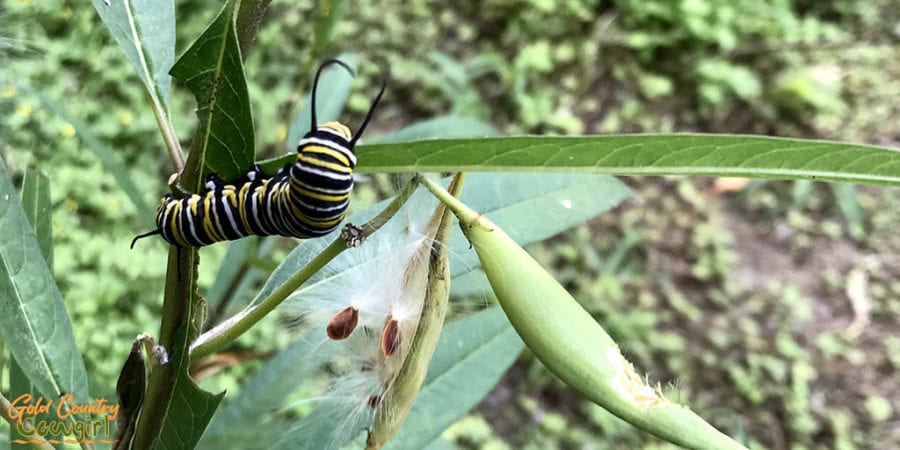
{"x": 36, "y": 203}
{"x": 212, "y": 69}
{"x": 674, "y": 154}
{"x": 33, "y": 319}
{"x": 145, "y": 29}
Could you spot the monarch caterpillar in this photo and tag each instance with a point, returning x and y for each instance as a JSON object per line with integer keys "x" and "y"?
{"x": 304, "y": 199}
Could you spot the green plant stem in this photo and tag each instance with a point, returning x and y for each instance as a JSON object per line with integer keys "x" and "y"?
{"x": 466, "y": 215}
{"x": 176, "y": 322}
{"x": 223, "y": 334}
{"x": 231, "y": 329}
{"x": 7, "y": 412}
{"x": 173, "y": 146}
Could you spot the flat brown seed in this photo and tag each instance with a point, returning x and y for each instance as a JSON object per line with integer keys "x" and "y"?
{"x": 390, "y": 337}
{"x": 343, "y": 323}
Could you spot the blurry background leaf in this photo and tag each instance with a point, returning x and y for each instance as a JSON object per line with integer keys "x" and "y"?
{"x": 111, "y": 162}
{"x": 330, "y": 13}
{"x": 848, "y": 201}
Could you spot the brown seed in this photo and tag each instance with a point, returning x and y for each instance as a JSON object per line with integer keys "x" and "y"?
{"x": 374, "y": 400}
{"x": 343, "y": 323}
{"x": 390, "y": 337}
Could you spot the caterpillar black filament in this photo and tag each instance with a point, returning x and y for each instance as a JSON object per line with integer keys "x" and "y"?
{"x": 305, "y": 199}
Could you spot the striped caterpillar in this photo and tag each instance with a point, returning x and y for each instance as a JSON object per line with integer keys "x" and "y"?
{"x": 305, "y": 199}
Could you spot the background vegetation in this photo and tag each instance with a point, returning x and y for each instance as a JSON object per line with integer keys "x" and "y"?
{"x": 772, "y": 309}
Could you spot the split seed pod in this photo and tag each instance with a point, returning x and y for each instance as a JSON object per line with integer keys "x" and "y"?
{"x": 397, "y": 400}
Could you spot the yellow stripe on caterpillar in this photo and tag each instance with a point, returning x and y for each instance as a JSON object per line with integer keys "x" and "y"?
{"x": 325, "y": 165}
{"x": 319, "y": 196}
{"x": 328, "y": 151}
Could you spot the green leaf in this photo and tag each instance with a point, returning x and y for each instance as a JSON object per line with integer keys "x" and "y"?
{"x": 264, "y": 393}
{"x": 333, "y": 91}
{"x": 146, "y": 32}
{"x": 33, "y": 319}
{"x": 213, "y": 71}
{"x": 448, "y": 127}
{"x": 329, "y": 14}
{"x": 472, "y": 355}
{"x": 19, "y": 384}
{"x": 250, "y": 15}
{"x": 190, "y": 410}
{"x": 36, "y": 202}
{"x": 110, "y": 161}
{"x": 532, "y": 206}
{"x": 673, "y": 154}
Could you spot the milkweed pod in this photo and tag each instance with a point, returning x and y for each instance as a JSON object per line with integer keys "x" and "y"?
{"x": 343, "y": 323}
{"x": 573, "y": 345}
{"x": 397, "y": 400}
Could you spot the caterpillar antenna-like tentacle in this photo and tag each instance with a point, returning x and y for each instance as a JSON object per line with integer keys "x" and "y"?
{"x": 316, "y": 85}
{"x": 384, "y": 80}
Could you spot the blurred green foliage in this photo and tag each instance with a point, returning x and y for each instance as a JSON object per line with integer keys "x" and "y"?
{"x": 742, "y": 349}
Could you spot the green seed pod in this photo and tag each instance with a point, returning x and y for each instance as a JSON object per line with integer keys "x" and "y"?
{"x": 570, "y": 342}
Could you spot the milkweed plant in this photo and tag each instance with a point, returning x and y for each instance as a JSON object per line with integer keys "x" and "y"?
{"x": 369, "y": 301}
